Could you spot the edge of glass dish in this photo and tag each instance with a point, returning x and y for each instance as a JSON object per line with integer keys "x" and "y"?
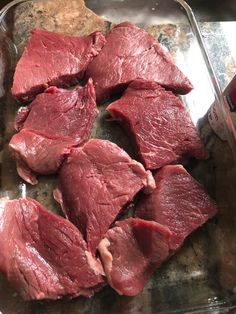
{"x": 220, "y": 100}
{"x": 7, "y": 7}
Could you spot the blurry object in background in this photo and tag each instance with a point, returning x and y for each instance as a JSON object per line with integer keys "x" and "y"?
{"x": 3, "y": 3}
{"x": 215, "y": 115}
{"x": 213, "y": 10}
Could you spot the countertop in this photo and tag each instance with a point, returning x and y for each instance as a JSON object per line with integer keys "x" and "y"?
{"x": 221, "y": 47}
{"x": 205, "y": 10}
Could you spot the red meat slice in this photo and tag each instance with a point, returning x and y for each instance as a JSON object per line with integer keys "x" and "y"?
{"x": 95, "y": 183}
{"x": 131, "y": 53}
{"x": 159, "y": 123}
{"x": 37, "y": 154}
{"x": 55, "y": 121}
{"x": 43, "y": 255}
{"x": 179, "y": 202}
{"x": 131, "y": 252}
{"x": 53, "y": 59}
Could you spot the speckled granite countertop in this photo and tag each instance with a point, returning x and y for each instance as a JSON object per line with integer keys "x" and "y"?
{"x": 219, "y": 38}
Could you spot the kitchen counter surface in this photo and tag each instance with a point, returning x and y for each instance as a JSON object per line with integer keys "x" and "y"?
{"x": 205, "y": 10}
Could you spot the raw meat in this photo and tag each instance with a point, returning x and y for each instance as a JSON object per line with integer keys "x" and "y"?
{"x": 179, "y": 202}
{"x": 55, "y": 121}
{"x": 159, "y": 123}
{"x": 53, "y": 59}
{"x": 131, "y": 252}
{"x": 132, "y": 53}
{"x": 43, "y": 255}
{"x": 95, "y": 183}
{"x": 35, "y": 154}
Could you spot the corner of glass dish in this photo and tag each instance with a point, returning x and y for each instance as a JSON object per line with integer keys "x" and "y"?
{"x": 219, "y": 99}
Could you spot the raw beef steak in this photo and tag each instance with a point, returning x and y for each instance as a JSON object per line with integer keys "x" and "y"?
{"x": 55, "y": 121}
{"x": 179, "y": 202}
{"x": 131, "y": 252}
{"x": 95, "y": 183}
{"x": 130, "y": 53}
{"x": 53, "y": 59}
{"x": 159, "y": 123}
{"x": 43, "y": 255}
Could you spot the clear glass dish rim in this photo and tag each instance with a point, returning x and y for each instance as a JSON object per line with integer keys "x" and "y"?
{"x": 220, "y": 307}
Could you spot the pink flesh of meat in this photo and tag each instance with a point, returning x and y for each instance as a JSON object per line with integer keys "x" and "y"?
{"x": 43, "y": 255}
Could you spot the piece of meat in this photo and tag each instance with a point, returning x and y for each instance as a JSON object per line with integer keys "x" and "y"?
{"x": 95, "y": 182}
{"x": 37, "y": 154}
{"x": 131, "y": 252}
{"x": 43, "y": 255}
{"x": 130, "y": 53}
{"x": 159, "y": 124}
{"x": 56, "y": 120}
{"x": 53, "y": 59}
{"x": 179, "y": 202}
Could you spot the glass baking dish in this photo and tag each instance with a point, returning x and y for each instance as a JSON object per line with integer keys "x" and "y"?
{"x": 201, "y": 277}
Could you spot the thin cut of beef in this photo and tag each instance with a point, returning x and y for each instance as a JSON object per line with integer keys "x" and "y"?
{"x": 179, "y": 202}
{"x": 95, "y": 183}
{"x": 55, "y": 121}
{"x": 130, "y": 53}
{"x": 53, "y": 59}
{"x": 159, "y": 123}
{"x": 131, "y": 252}
{"x": 43, "y": 255}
